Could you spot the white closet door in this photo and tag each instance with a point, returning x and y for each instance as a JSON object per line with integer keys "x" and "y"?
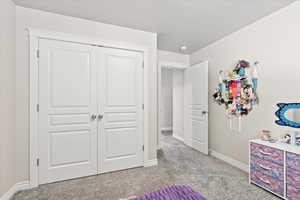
{"x": 196, "y": 106}
{"x": 67, "y": 98}
{"x": 120, "y": 89}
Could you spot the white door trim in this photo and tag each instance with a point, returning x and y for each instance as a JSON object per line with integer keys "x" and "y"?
{"x": 169, "y": 65}
{"x": 34, "y": 36}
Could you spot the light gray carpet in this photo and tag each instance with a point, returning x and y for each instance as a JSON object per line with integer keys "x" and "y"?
{"x": 178, "y": 164}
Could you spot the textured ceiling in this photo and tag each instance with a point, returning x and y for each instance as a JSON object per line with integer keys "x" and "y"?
{"x": 194, "y": 23}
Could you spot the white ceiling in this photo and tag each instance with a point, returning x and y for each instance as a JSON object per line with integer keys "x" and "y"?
{"x": 194, "y": 23}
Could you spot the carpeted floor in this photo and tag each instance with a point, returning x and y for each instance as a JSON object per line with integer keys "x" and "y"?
{"x": 178, "y": 164}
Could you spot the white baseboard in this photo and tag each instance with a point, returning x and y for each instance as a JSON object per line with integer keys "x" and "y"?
{"x": 178, "y": 138}
{"x": 231, "y": 161}
{"x": 149, "y": 163}
{"x": 15, "y": 188}
{"x": 166, "y": 129}
{"x": 188, "y": 142}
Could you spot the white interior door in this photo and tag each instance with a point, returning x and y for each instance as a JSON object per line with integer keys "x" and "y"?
{"x": 120, "y": 97}
{"x": 196, "y": 106}
{"x": 67, "y": 100}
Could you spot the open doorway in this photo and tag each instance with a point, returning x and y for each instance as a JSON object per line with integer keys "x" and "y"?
{"x": 166, "y": 101}
{"x": 183, "y": 105}
{"x": 172, "y": 102}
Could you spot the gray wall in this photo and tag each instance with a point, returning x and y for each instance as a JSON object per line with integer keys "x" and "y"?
{"x": 54, "y": 22}
{"x": 178, "y": 105}
{"x": 166, "y": 98}
{"x": 275, "y": 42}
{"x": 7, "y": 95}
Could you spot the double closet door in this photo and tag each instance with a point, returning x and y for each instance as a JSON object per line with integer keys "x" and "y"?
{"x": 90, "y": 110}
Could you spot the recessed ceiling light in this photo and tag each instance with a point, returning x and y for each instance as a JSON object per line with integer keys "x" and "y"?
{"x": 183, "y": 48}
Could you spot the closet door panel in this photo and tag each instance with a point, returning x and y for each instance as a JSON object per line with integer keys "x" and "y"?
{"x": 120, "y": 95}
{"x": 67, "y": 98}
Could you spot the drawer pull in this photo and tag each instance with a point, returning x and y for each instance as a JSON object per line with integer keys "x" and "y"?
{"x": 263, "y": 167}
{"x": 265, "y": 181}
{"x": 265, "y": 153}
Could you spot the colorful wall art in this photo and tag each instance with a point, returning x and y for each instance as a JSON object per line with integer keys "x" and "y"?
{"x": 237, "y": 89}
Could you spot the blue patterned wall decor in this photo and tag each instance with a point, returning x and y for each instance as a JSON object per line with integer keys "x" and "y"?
{"x": 280, "y": 113}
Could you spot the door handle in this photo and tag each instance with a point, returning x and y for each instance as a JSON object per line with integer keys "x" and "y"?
{"x": 100, "y": 117}
{"x": 93, "y": 117}
{"x": 204, "y": 112}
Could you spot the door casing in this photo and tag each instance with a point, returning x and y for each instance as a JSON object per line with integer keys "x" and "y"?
{"x": 34, "y": 36}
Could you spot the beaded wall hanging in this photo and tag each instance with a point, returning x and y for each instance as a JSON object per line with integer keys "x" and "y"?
{"x": 237, "y": 90}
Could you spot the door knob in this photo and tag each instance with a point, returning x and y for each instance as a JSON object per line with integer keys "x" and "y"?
{"x": 100, "y": 117}
{"x": 93, "y": 117}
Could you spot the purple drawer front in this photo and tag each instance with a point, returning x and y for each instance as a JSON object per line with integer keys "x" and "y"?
{"x": 293, "y": 177}
{"x": 293, "y": 161}
{"x": 268, "y": 168}
{"x": 268, "y": 182}
{"x": 292, "y": 193}
{"x": 267, "y": 153}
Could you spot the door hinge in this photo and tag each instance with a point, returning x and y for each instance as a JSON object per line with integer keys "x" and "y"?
{"x": 143, "y": 65}
{"x": 38, "y": 107}
{"x": 38, "y": 162}
{"x": 143, "y": 148}
{"x": 38, "y": 53}
{"x": 143, "y": 106}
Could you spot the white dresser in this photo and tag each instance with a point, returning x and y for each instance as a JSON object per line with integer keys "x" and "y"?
{"x": 275, "y": 167}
